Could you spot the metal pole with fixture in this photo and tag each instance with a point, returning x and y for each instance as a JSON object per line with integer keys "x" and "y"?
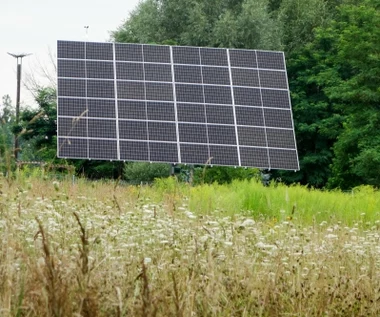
{"x": 19, "y": 58}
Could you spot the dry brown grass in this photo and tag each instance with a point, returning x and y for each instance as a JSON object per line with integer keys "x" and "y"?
{"x": 104, "y": 250}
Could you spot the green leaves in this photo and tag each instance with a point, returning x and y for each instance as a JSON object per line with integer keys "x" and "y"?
{"x": 355, "y": 89}
{"x": 219, "y": 23}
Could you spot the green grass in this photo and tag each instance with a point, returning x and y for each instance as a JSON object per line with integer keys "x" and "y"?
{"x": 277, "y": 201}
{"x": 105, "y": 249}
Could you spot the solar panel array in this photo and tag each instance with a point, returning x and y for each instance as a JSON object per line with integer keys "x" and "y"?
{"x": 138, "y": 102}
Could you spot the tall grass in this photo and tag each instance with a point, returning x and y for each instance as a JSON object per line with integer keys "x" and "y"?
{"x": 282, "y": 202}
{"x": 103, "y": 249}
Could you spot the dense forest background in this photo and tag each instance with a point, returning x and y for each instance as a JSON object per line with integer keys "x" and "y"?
{"x": 332, "y": 49}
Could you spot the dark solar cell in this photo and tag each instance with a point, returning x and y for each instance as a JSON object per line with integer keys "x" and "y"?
{"x": 134, "y": 151}
{"x": 130, "y": 71}
{"x": 224, "y": 155}
{"x": 192, "y": 133}
{"x": 280, "y": 138}
{"x": 69, "y": 49}
{"x": 216, "y": 75}
{"x": 71, "y": 147}
{"x": 189, "y": 93}
{"x": 130, "y": 90}
{"x": 221, "y": 134}
{"x": 102, "y": 149}
{"x": 98, "y": 128}
{"x": 160, "y": 111}
{"x": 251, "y": 136}
{"x": 283, "y": 159}
{"x": 243, "y": 58}
{"x": 163, "y": 152}
{"x": 188, "y": 74}
{"x": 194, "y": 153}
{"x": 270, "y": 60}
{"x": 159, "y": 91}
{"x": 220, "y": 114}
{"x": 254, "y": 156}
{"x": 191, "y": 112}
{"x": 186, "y": 55}
{"x": 273, "y": 79}
{"x": 250, "y": 116}
{"x": 218, "y": 94}
{"x": 100, "y": 88}
{"x": 100, "y": 51}
{"x": 162, "y": 131}
{"x": 158, "y": 72}
{"x": 132, "y": 109}
{"x": 156, "y": 54}
{"x": 71, "y": 68}
{"x": 74, "y": 127}
{"x": 245, "y": 77}
{"x": 101, "y": 70}
{"x": 214, "y": 56}
{"x": 128, "y": 52}
{"x": 72, "y": 107}
{"x": 247, "y": 96}
{"x": 100, "y": 108}
{"x": 133, "y": 130}
{"x": 275, "y": 98}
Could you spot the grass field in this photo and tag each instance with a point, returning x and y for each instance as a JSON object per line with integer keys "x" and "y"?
{"x": 105, "y": 249}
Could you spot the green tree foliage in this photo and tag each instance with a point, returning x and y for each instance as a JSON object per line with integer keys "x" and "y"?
{"x": 7, "y": 119}
{"x": 318, "y": 121}
{"x": 222, "y": 175}
{"x": 334, "y": 81}
{"x": 299, "y": 19}
{"x": 354, "y": 83}
{"x": 95, "y": 169}
{"x": 137, "y": 172}
{"x": 249, "y": 27}
{"x": 216, "y": 23}
{"x": 143, "y": 25}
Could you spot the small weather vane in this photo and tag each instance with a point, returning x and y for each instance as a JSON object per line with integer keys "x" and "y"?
{"x": 86, "y": 27}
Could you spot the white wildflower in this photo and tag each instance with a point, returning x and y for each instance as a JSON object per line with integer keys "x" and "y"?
{"x": 248, "y": 223}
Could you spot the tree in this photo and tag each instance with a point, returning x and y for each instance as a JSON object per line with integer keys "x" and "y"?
{"x": 143, "y": 25}
{"x": 354, "y": 83}
{"x": 299, "y": 19}
{"x": 249, "y": 27}
{"x": 137, "y": 172}
{"x": 39, "y": 126}
{"x": 219, "y": 23}
{"x": 7, "y": 119}
{"x": 334, "y": 82}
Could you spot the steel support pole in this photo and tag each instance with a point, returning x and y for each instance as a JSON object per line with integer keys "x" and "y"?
{"x": 18, "y": 104}
{"x": 19, "y": 65}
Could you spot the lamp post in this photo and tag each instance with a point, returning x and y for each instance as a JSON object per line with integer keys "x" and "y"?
{"x": 19, "y": 58}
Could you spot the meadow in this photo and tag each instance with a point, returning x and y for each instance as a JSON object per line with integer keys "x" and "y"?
{"x": 108, "y": 249}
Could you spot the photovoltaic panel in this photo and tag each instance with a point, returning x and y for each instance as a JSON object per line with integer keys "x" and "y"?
{"x": 174, "y": 104}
